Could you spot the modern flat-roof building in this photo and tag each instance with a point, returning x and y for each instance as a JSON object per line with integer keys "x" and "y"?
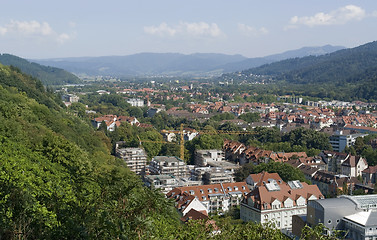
{"x": 356, "y": 215}
{"x": 340, "y": 141}
{"x": 169, "y": 165}
{"x": 135, "y": 158}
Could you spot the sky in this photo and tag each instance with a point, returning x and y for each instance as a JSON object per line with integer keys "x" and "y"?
{"x": 37, "y": 29}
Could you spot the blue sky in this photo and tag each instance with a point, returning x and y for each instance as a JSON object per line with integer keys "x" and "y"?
{"x": 53, "y": 29}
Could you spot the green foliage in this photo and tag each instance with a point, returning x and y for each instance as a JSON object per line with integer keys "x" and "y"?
{"x": 318, "y": 232}
{"x": 250, "y": 117}
{"x": 285, "y": 171}
{"x": 58, "y": 181}
{"x": 204, "y": 141}
{"x": 308, "y": 138}
{"x": 223, "y": 116}
{"x": 48, "y": 75}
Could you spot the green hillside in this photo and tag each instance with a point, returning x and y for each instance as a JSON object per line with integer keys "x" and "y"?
{"x": 57, "y": 178}
{"x": 343, "y": 66}
{"x": 48, "y": 75}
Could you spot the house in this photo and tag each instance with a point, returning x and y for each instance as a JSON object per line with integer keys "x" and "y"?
{"x": 276, "y": 202}
{"x": 217, "y": 198}
{"x": 333, "y": 160}
{"x": 353, "y": 166}
{"x": 333, "y": 184}
{"x": 256, "y": 180}
{"x": 370, "y": 175}
{"x": 113, "y": 121}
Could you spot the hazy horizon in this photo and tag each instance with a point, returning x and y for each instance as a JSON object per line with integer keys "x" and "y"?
{"x": 40, "y": 29}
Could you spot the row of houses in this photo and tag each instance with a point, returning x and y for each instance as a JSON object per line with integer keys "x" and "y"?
{"x": 239, "y": 153}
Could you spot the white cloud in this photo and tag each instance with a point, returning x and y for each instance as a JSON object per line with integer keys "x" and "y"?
{"x": 249, "y": 30}
{"x": 32, "y": 29}
{"x": 162, "y": 29}
{"x": 197, "y": 29}
{"x": 3, "y": 30}
{"x": 339, "y": 16}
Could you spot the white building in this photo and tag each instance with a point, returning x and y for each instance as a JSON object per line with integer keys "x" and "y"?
{"x": 353, "y": 166}
{"x": 340, "y": 141}
{"x": 135, "y": 158}
{"x": 169, "y": 165}
{"x": 136, "y": 102}
{"x": 202, "y": 157}
{"x": 217, "y": 198}
{"x": 276, "y": 202}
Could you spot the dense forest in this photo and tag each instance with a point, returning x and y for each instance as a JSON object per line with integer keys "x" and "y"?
{"x": 48, "y": 75}
{"x": 348, "y": 74}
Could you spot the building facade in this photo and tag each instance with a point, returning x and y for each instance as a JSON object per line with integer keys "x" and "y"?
{"x": 169, "y": 165}
{"x": 217, "y": 198}
{"x": 276, "y": 202}
{"x": 355, "y": 215}
{"x": 135, "y": 158}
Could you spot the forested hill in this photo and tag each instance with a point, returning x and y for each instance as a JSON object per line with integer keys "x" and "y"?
{"x": 48, "y": 75}
{"x": 341, "y": 67}
{"x": 57, "y": 178}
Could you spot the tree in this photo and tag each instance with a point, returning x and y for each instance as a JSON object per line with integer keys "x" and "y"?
{"x": 250, "y": 117}
{"x": 285, "y": 171}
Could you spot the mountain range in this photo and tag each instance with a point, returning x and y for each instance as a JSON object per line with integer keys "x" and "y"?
{"x": 173, "y": 64}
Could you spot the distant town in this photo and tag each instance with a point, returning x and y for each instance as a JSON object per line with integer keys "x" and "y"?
{"x": 204, "y": 181}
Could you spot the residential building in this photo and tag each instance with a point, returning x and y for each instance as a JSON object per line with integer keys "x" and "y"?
{"x": 217, "y": 198}
{"x": 136, "y": 102}
{"x": 370, "y": 175}
{"x": 332, "y": 184}
{"x": 163, "y": 182}
{"x": 255, "y": 180}
{"x": 217, "y": 175}
{"x": 113, "y": 121}
{"x": 340, "y": 141}
{"x": 276, "y": 202}
{"x": 135, "y": 158}
{"x": 168, "y": 165}
{"x": 167, "y": 182}
{"x": 70, "y": 98}
{"x": 202, "y": 157}
{"x": 211, "y": 175}
{"x": 353, "y": 166}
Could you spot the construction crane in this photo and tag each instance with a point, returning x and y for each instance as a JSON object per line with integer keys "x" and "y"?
{"x": 182, "y": 141}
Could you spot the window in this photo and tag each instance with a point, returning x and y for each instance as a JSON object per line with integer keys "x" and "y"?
{"x": 209, "y": 190}
{"x": 329, "y": 221}
{"x": 236, "y": 188}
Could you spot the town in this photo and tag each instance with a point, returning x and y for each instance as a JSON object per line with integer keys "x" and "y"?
{"x": 208, "y": 141}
